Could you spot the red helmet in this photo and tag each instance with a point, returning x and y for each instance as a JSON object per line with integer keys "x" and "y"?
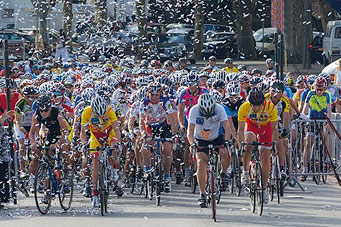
{"x": 321, "y": 83}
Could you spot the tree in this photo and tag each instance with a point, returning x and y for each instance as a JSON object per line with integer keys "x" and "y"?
{"x": 324, "y": 12}
{"x": 308, "y": 33}
{"x": 42, "y": 8}
{"x": 246, "y": 43}
{"x": 198, "y": 28}
{"x": 142, "y": 26}
{"x": 101, "y": 12}
{"x": 67, "y": 22}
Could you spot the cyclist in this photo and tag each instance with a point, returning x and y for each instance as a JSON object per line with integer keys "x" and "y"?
{"x": 229, "y": 66}
{"x": 103, "y": 126}
{"x": 317, "y": 103}
{"x": 257, "y": 120}
{"x": 23, "y": 121}
{"x": 47, "y": 122}
{"x": 157, "y": 120}
{"x": 204, "y": 120}
{"x": 188, "y": 98}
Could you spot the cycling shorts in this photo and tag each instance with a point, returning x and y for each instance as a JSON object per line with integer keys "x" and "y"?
{"x": 162, "y": 131}
{"x": 263, "y": 132}
{"x": 219, "y": 141}
{"x": 98, "y": 138}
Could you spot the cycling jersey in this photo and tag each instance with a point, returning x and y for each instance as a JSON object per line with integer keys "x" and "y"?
{"x": 190, "y": 100}
{"x": 100, "y": 127}
{"x": 282, "y": 106}
{"x": 297, "y": 96}
{"x": 318, "y": 104}
{"x": 231, "y": 70}
{"x": 52, "y": 124}
{"x": 288, "y": 92}
{"x": 207, "y": 129}
{"x": 156, "y": 113}
{"x": 25, "y": 112}
{"x": 267, "y": 114}
{"x": 234, "y": 107}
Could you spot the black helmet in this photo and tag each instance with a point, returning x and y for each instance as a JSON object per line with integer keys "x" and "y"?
{"x": 255, "y": 80}
{"x": 256, "y": 71}
{"x": 277, "y": 85}
{"x": 256, "y": 96}
{"x": 219, "y": 84}
{"x": 44, "y": 102}
{"x": 30, "y": 90}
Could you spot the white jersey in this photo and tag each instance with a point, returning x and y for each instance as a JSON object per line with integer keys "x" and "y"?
{"x": 207, "y": 129}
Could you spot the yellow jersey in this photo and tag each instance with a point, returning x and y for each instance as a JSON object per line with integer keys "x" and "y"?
{"x": 231, "y": 70}
{"x": 282, "y": 106}
{"x": 98, "y": 124}
{"x": 266, "y": 114}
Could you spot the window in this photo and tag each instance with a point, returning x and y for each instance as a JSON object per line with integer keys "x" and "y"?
{"x": 338, "y": 32}
{"x": 328, "y": 32}
{"x": 8, "y": 13}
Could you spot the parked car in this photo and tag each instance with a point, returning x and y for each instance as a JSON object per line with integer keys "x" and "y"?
{"x": 177, "y": 43}
{"x": 316, "y": 48}
{"x": 221, "y": 45}
{"x": 332, "y": 42}
{"x": 264, "y": 39}
{"x": 16, "y": 42}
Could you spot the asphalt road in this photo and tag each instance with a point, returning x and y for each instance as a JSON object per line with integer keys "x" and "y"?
{"x": 319, "y": 205}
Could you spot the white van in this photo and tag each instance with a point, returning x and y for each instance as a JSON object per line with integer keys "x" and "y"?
{"x": 265, "y": 40}
{"x": 332, "y": 42}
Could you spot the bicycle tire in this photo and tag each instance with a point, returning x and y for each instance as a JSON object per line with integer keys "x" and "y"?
{"x": 324, "y": 165}
{"x": 237, "y": 176}
{"x": 66, "y": 188}
{"x": 259, "y": 190}
{"x": 212, "y": 192}
{"x": 132, "y": 181}
{"x": 233, "y": 167}
{"x": 193, "y": 181}
{"x": 43, "y": 181}
{"x": 252, "y": 189}
{"x": 158, "y": 183}
{"x": 102, "y": 191}
{"x": 315, "y": 165}
{"x": 278, "y": 185}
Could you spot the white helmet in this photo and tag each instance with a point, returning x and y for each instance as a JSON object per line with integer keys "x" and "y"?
{"x": 222, "y": 75}
{"x": 233, "y": 88}
{"x": 217, "y": 95}
{"x": 206, "y": 104}
{"x": 99, "y": 106}
{"x": 88, "y": 94}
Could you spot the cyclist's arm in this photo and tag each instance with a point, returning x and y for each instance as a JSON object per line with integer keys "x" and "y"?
{"x": 293, "y": 105}
{"x": 117, "y": 131}
{"x": 131, "y": 122}
{"x": 190, "y": 133}
{"x": 233, "y": 130}
{"x": 305, "y": 108}
{"x": 240, "y": 133}
{"x": 63, "y": 125}
{"x": 173, "y": 122}
{"x": 275, "y": 134}
{"x": 34, "y": 129}
{"x": 227, "y": 129}
{"x": 329, "y": 111}
{"x": 142, "y": 125}
{"x": 18, "y": 123}
{"x": 286, "y": 120}
{"x": 83, "y": 134}
{"x": 181, "y": 115}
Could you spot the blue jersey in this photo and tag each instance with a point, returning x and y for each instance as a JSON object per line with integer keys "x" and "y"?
{"x": 289, "y": 93}
{"x": 304, "y": 94}
{"x": 228, "y": 113}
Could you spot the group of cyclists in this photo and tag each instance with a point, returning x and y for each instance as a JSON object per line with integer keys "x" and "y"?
{"x": 80, "y": 107}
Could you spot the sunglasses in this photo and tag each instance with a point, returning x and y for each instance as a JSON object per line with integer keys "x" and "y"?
{"x": 45, "y": 110}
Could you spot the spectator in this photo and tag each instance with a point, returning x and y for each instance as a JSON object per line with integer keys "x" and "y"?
{"x": 61, "y": 50}
{"x": 337, "y": 80}
{"x": 5, "y": 157}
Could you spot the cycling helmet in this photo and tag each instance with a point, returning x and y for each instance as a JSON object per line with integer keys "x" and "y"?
{"x": 142, "y": 92}
{"x": 326, "y": 76}
{"x": 321, "y": 83}
{"x": 206, "y": 104}
{"x": 256, "y": 96}
{"x": 256, "y": 71}
{"x": 30, "y": 90}
{"x": 58, "y": 89}
{"x": 299, "y": 80}
{"x": 192, "y": 78}
{"x": 222, "y": 75}
{"x": 255, "y": 80}
{"x": 288, "y": 81}
{"x": 311, "y": 79}
{"x": 269, "y": 61}
{"x": 270, "y": 73}
{"x": 243, "y": 78}
{"x": 277, "y": 85}
{"x": 176, "y": 78}
{"x": 99, "y": 105}
{"x": 204, "y": 74}
{"x": 233, "y": 76}
{"x": 142, "y": 81}
{"x": 88, "y": 94}
{"x": 264, "y": 86}
{"x": 217, "y": 95}
{"x": 164, "y": 80}
{"x": 168, "y": 63}
{"x": 241, "y": 68}
{"x": 144, "y": 63}
{"x": 219, "y": 84}
{"x": 210, "y": 82}
{"x": 233, "y": 88}
{"x": 155, "y": 63}
{"x": 143, "y": 72}
{"x": 44, "y": 102}
{"x": 228, "y": 60}
{"x": 154, "y": 88}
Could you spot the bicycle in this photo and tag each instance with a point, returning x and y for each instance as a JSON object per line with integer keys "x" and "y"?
{"x": 256, "y": 186}
{"x": 154, "y": 181}
{"x": 235, "y": 169}
{"x": 275, "y": 176}
{"x": 104, "y": 171}
{"x": 134, "y": 182}
{"x": 178, "y": 158}
{"x": 51, "y": 178}
{"x": 213, "y": 183}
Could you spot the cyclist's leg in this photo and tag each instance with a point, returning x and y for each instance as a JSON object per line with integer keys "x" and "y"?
{"x": 22, "y": 154}
{"x": 202, "y": 159}
{"x": 250, "y": 136}
{"x": 95, "y": 157}
{"x": 307, "y": 146}
{"x": 265, "y": 136}
{"x": 187, "y": 156}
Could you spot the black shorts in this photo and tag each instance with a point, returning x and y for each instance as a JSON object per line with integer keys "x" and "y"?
{"x": 163, "y": 132}
{"x": 220, "y": 141}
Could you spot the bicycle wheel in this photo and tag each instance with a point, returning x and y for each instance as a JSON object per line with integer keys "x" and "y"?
{"x": 233, "y": 167}
{"x": 324, "y": 164}
{"x": 193, "y": 180}
{"x": 43, "y": 188}
{"x": 314, "y": 163}
{"x": 252, "y": 188}
{"x": 212, "y": 192}
{"x": 102, "y": 189}
{"x": 259, "y": 189}
{"x": 278, "y": 183}
{"x": 66, "y": 190}
{"x": 158, "y": 183}
{"x": 131, "y": 180}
